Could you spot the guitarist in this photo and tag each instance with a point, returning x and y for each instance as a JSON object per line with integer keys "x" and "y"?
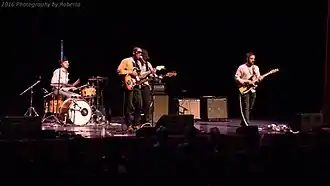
{"x": 133, "y": 98}
{"x": 247, "y": 74}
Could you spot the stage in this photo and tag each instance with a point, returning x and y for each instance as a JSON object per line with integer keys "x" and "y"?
{"x": 105, "y": 151}
{"x": 115, "y": 128}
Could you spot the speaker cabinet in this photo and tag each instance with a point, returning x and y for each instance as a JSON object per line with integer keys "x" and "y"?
{"x": 176, "y": 124}
{"x": 19, "y": 127}
{"x": 305, "y": 122}
{"x": 214, "y": 109}
{"x": 161, "y": 103}
{"x": 189, "y": 106}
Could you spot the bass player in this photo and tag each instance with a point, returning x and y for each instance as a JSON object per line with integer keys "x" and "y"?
{"x": 247, "y": 74}
{"x": 145, "y": 66}
{"x": 133, "y": 98}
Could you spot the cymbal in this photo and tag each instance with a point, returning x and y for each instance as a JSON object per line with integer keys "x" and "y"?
{"x": 97, "y": 78}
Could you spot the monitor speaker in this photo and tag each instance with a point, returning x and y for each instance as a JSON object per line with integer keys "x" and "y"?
{"x": 19, "y": 127}
{"x": 176, "y": 124}
{"x": 305, "y": 122}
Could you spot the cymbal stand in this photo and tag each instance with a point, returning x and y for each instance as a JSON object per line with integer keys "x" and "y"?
{"x": 97, "y": 114}
{"x": 31, "y": 112}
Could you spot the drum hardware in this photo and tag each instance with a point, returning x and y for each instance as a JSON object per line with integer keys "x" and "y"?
{"x": 50, "y": 93}
{"x": 53, "y": 118}
{"x": 97, "y": 117}
{"x": 97, "y": 105}
{"x": 31, "y": 112}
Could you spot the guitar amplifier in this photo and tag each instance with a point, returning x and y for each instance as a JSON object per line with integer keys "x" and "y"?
{"x": 159, "y": 89}
{"x": 161, "y": 106}
{"x": 189, "y": 106}
{"x": 214, "y": 109}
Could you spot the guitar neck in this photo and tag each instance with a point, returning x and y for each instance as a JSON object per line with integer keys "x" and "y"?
{"x": 267, "y": 74}
{"x": 144, "y": 75}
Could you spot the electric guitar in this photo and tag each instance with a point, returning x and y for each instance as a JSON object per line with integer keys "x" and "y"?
{"x": 244, "y": 89}
{"x": 129, "y": 82}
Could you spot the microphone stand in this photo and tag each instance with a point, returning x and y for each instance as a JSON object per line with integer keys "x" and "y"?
{"x": 152, "y": 104}
{"x": 74, "y": 110}
{"x": 183, "y": 108}
{"x": 31, "y": 112}
{"x": 59, "y": 80}
{"x": 56, "y": 97}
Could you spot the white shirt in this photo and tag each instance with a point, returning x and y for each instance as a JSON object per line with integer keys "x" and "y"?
{"x": 245, "y": 72}
{"x": 143, "y": 69}
{"x": 60, "y": 75}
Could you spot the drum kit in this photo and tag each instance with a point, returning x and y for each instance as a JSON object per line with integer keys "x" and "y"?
{"x": 79, "y": 109}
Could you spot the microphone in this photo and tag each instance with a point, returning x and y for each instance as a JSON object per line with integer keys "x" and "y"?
{"x": 141, "y": 59}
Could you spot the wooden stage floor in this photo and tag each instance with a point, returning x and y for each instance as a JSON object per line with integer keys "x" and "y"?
{"x": 114, "y": 128}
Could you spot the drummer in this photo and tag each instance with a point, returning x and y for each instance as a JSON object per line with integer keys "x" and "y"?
{"x": 60, "y": 80}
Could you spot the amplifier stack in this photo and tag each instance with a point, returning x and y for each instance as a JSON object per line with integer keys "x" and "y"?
{"x": 205, "y": 109}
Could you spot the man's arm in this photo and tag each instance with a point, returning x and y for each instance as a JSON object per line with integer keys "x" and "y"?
{"x": 122, "y": 68}
{"x": 74, "y": 84}
{"x": 152, "y": 69}
{"x": 238, "y": 76}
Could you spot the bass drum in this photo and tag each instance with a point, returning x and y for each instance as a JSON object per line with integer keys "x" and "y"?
{"x": 76, "y": 111}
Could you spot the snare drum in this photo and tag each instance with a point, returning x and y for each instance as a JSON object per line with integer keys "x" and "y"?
{"x": 88, "y": 92}
{"x": 77, "y": 111}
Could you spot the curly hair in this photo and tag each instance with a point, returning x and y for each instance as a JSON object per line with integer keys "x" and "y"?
{"x": 145, "y": 55}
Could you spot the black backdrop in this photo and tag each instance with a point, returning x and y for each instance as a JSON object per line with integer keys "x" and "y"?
{"x": 204, "y": 49}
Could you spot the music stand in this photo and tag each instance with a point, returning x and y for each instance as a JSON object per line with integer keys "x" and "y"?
{"x": 31, "y": 111}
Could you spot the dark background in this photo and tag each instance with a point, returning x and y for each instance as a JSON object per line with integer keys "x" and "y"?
{"x": 204, "y": 48}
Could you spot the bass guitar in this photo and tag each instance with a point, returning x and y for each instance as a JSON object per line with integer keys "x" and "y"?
{"x": 169, "y": 74}
{"x": 129, "y": 82}
{"x": 247, "y": 88}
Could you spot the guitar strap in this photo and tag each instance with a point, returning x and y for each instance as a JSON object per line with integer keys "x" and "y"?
{"x": 134, "y": 64}
{"x": 147, "y": 65}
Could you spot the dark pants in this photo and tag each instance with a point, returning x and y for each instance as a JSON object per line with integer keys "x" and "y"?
{"x": 146, "y": 97}
{"x": 247, "y": 103}
{"x": 133, "y": 106}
